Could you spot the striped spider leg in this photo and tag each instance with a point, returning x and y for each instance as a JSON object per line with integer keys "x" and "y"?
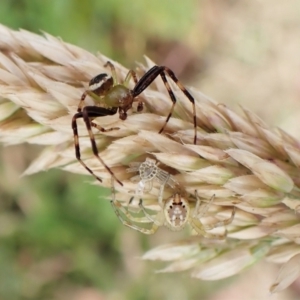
{"x": 176, "y": 212}
{"x": 111, "y": 96}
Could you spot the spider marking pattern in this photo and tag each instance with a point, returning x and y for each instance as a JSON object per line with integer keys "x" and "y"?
{"x": 176, "y": 212}
{"x": 148, "y": 173}
{"x": 111, "y": 96}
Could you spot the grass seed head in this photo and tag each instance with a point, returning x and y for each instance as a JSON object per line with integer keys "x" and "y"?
{"x": 237, "y": 158}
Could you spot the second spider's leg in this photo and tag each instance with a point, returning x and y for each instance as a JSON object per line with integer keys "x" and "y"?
{"x": 147, "y": 185}
{"x": 131, "y": 217}
{"x": 117, "y": 207}
{"x": 222, "y": 222}
{"x": 164, "y": 179}
{"x": 150, "y": 76}
{"x": 159, "y": 218}
{"x": 201, "y": 213}
{"x": 87, "y": 113}
{"x": 201, "y": 230}
{"x": 198, "y": 214}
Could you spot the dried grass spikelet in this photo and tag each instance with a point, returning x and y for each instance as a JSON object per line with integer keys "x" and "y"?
{"x": 237, "y": 157}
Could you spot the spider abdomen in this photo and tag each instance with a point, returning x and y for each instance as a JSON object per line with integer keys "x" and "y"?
{"x": 101, "y": 84}
{"x": 176, "y": 212}
{"x": 119, "y": 95}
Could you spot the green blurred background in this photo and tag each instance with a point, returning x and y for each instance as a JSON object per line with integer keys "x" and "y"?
{"x": 59, "y": 239}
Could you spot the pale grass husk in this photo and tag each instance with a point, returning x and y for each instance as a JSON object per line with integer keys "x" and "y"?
{"x": 238, "y": 158}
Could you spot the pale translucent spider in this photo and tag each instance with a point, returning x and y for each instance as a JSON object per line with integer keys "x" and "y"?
{"x": 176, "y": 212}
{"x": 148, "y": 173}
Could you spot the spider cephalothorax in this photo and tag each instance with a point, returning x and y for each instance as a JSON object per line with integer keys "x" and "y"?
{"x": 111, "y": 96}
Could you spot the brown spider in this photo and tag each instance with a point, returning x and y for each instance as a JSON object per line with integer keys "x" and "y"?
{"x": 116, "y": 96}
{"x": 175, "y": 213}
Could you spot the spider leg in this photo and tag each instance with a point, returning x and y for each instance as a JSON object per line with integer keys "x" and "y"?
{"x": 102, "y": 129}
{"x": 222, "y": 222}
{"x": 141, "y": 187}
{"x": 187, "y": 94}
{"x": 164, "y": 179}
{"x": 87, "y": 113}
{"x": 81, "y": 102}
{"x": 130, "y": 74}
{"x": 172, "y": 96}
{"x": 117, "y": 207}
{"x": 161, "y": 194}
{"x": 125, "y": 211}
{"x": 204, "y": 210}
{"x": 83, "y": 96}
{"x": 113, "y": 72}
{"x": 144, "y": 219}
{"x": 158, "y": 220}
{"x": 148, "y": 185}
{"x": 150, "y": 76}
{"x": 201, "y": 230}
